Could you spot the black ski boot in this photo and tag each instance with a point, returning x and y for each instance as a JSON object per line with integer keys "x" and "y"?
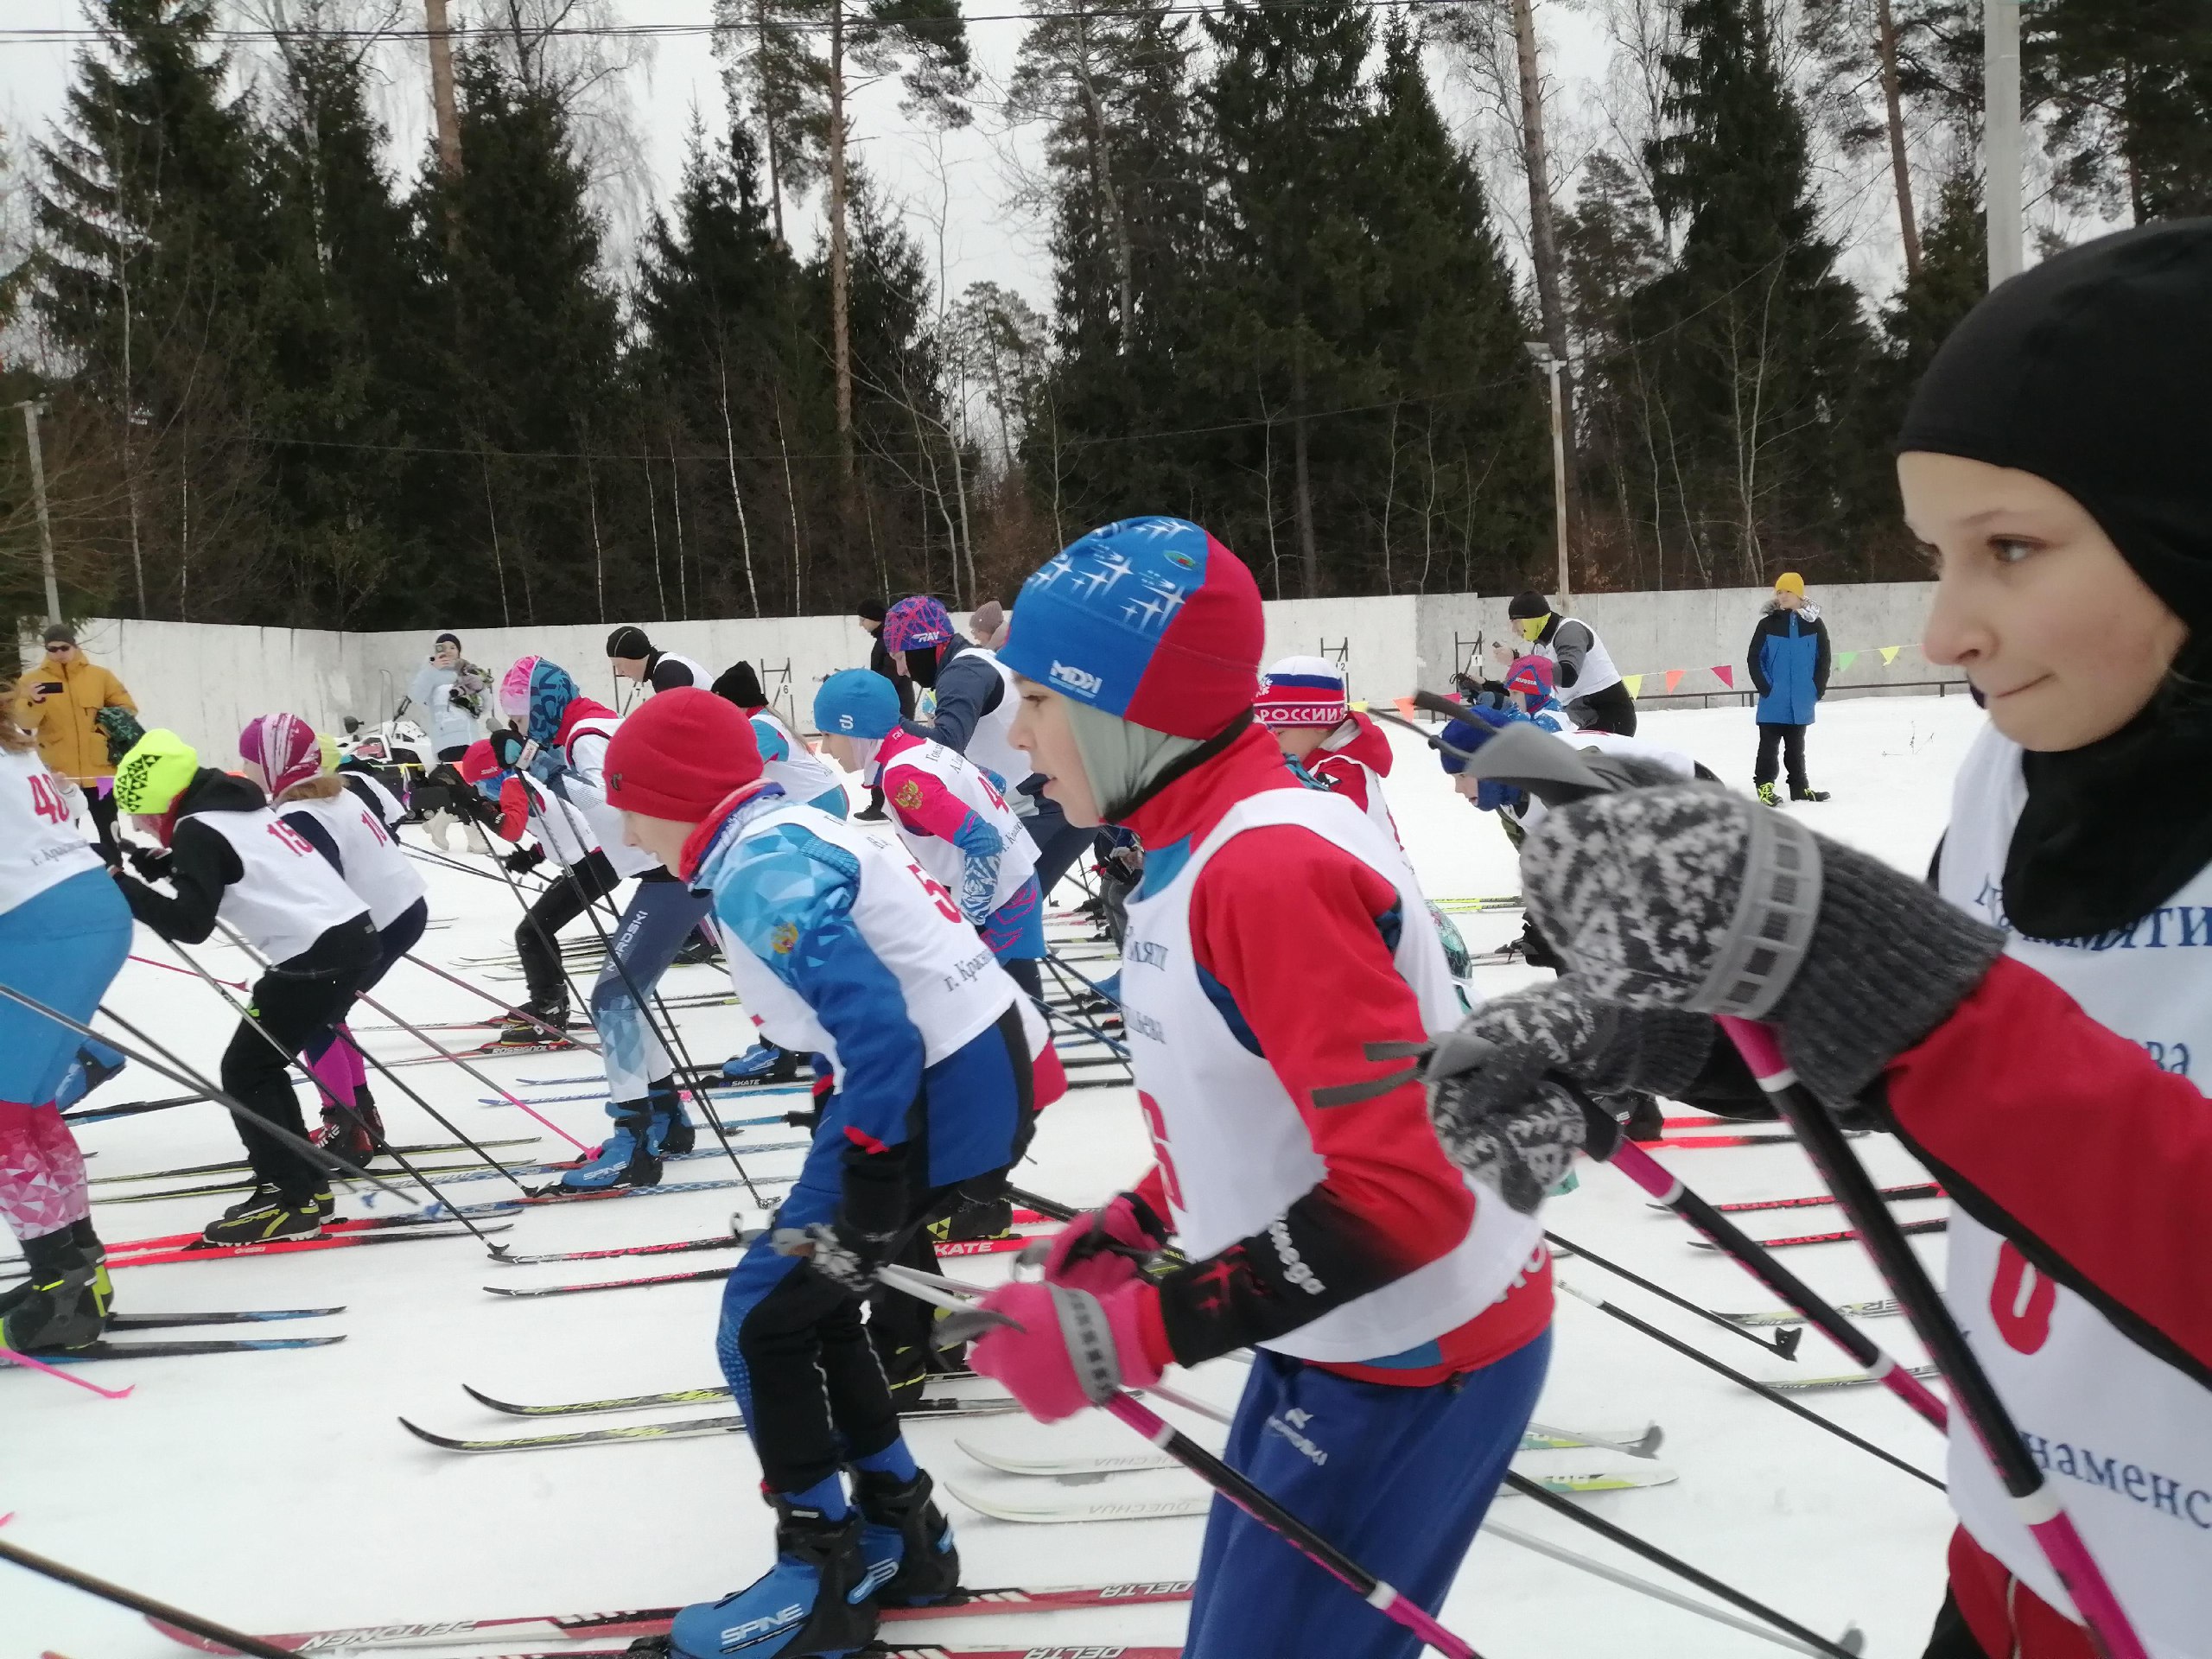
{"x": 1806, "y": 794}
{"x": 817, "y": 1599}
{"x": 353, "y": 1134}
{"x": 551, "y": 1010}
{"x": 908, "y": 1537}
{"x": 1641, "y": 1118}
{"x": 64, "y": 1309}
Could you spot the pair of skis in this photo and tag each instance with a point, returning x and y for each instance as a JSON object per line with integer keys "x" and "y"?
{"x": 179, "y": 1348}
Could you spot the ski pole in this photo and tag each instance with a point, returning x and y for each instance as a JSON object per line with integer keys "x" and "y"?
{"x": 520, "y": 1014}
{"x": 1062, "y": 972}
{"x": 1687, "y": 1351}
{"x": 60, "y": 1375}
{"x": 292, "y": 1060}
{"x": 514, "y": 1100}
{"x": 1661, "y": 1184}
{"x": 389, "y": 1076}
{"x": 1785, "y": 1341}
{"x": 171, "y": 968}
{"x": 181, "y": 1074}
{"x": 2037, "y": 1507}
{"x": 1659, "y": 1557}
{"x": 78, "y": 1580}
{"x": 430, "y": 857}
{"x": 1560, "y": 1552}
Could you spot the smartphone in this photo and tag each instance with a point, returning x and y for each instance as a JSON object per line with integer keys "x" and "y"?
{"x": 51, "y": 688}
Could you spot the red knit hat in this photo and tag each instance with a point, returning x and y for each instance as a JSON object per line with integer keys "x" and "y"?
{"x": 681, "y": 756}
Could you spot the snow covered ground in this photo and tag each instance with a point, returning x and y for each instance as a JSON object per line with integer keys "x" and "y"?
{"x": 276, "y": 1492}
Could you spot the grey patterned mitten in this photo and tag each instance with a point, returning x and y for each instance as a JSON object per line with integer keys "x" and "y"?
{"x": 1688, "y": 897}
{"x": 1493, "y": 1098}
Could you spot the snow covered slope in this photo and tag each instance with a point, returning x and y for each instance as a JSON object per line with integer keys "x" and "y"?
{"x": 276, "y": 1491}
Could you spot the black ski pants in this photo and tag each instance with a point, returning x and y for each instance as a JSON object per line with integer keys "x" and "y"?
{"x": 536, "y": 936}
{"x": 1610, "y": 710}
{"x": 1791, "y": 740}
{"x": 293, "y": 1002}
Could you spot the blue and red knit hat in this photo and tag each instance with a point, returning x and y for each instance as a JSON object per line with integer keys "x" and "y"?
{"x": 916, "y": 624}
{"x": 1302, "y": 692}
{"x": 1531, "y": 676}
{"x": 1150, "y": 620}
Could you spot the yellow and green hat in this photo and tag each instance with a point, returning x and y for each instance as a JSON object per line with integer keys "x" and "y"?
{"x": 326, "y": 748}
{"x": 153, "y": 773}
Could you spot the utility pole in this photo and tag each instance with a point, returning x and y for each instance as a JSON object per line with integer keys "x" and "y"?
{"x": 442, "y": 92}
{"x": 1540, "y": 350}
{"x": 45, "y": 525}
{"x": 2000, "y": 135}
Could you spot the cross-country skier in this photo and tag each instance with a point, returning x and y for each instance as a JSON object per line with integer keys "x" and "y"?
{"x": 229, "y": 858}
{"x": 633, "y": 656}
{"x": 1595, "y": 698}
{"x": 974, "y": 715}
{"x": 511, "y": 804}
{"x": 949, "y": 813}
{"x": 844, "y": 947}
{"x": 1302, "y": 699}
{"x": 285, "y": 757}
{"x": 568, "y": 736}
{"x": 64, "y": 934}
{"x": 2034, "y": 1041}
{"x": 1401, "y": 1315}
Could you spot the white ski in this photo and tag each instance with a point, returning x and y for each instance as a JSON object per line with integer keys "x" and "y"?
{"x": 1042, "y": 1510}
{"x": 1875, "y": 1310}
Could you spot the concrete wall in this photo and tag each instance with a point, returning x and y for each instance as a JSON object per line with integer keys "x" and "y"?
{"x": 205, "y": 681}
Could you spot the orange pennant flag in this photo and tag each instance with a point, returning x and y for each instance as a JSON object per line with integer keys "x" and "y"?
{"x": 1674, "y": 678}
{"x": 1405, "y": 706}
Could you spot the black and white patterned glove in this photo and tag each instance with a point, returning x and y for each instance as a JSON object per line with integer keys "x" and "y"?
{"x": 842, "y": 1254}
{"x": 1494, "y": 1092}
{"x": 1688, "y": 897}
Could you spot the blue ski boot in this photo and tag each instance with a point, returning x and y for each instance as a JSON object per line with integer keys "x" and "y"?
{"x": 907, "y": 1540}
{"x": 625, "y": 1159}
{"x": 818, "y": 1602}
{"x": 762, "y": 1063}
{"x": 673, "y": 1132}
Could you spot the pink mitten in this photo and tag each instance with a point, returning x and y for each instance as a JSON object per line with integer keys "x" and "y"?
{"x": 1072, "y": 1349}
{"x": 1101, "y": 1249}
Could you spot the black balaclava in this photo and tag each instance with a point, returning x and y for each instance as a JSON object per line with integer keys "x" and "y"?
{"x": 629, "y": 643}
{"x": 2091, "y": 370}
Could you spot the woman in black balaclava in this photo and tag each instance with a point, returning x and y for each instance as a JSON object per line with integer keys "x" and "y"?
{"x": 2039, "y": 1037}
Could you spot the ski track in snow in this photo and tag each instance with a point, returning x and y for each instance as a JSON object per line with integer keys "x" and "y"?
{"x": 275, "y": 1492}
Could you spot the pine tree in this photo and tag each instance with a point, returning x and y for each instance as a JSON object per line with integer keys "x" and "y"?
{"x": 152, "y": 228}
{"x": 342, "y": 307}
{"x": 1465, "y": 473}
{"x": 1756, "y": 347}
{"x": 523, "y": 373}
{"x": 2130, "y": 82}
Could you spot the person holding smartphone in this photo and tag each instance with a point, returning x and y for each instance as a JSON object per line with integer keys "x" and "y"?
{"x": 59, "y": 703}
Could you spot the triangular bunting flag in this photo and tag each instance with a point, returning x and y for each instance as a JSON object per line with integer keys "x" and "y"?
{"x": 1889, "y": 653}
{"x": 1405, "y": 707}
{"x": 1635, "y": 683}
{"x": 1674, "y": 678}
{"x": 1726, "y": 673}
{"x": 1844, "y": 659}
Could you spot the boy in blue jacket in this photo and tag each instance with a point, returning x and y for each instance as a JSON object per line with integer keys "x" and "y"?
{"x": 1789, "y": 666}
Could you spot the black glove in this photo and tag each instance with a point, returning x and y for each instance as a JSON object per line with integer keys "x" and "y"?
{"x": 523, "y": 860}
{"x": 1688, "y": 897}
{"x": 151, "y": 862}
{"x": 472, "y": 806}
{"x": 1499, "y": 1112}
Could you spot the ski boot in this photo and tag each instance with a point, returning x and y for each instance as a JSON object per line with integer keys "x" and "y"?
{"x": 907, "y": 1541}
{"x": 696, "y": 951}
{"x": 818, "y": 1602}
{"x": 1639, "y": 1113}
{"x": 353, "y": 1134}
{"x": 261, "y": 1220}
{"x": 673, "y": 1132}
{"x": 1797, "y": 794}
{"x": 62, "y": 1307}
{"x": 518, "y": 1032}
{"x": 625, "y": 1158}
{"x": 1768, "y": 796}
{"x": 975, "y": 1219}
{"x": 762, "y": 1063}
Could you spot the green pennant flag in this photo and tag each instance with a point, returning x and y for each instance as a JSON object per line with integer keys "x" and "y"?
{"x": 1844, "y": 659}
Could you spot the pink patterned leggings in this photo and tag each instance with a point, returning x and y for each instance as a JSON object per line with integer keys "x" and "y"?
{"x": 42, "y": 1172}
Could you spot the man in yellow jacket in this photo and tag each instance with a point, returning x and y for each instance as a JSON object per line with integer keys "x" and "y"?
{"x": 60, "y": 700}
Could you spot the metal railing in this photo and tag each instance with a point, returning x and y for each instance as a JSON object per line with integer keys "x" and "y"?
{"x": 1743, "y": 696}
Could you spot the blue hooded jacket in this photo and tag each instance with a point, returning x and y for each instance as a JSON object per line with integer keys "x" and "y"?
{"x": 1789, "y": 661}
